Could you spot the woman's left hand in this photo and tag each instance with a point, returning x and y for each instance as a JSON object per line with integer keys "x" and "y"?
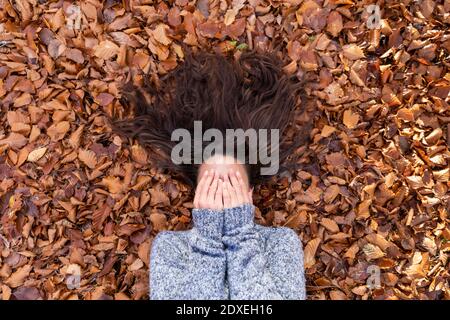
{"x": 235, "y": 191}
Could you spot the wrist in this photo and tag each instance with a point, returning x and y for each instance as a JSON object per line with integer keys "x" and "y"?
{"x": 208, "y": 222}
{"x": 238, "y": 217}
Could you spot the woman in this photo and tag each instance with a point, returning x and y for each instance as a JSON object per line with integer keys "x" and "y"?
{"x": 225, "y": 255}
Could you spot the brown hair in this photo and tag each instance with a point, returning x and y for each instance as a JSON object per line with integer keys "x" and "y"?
{"x": 251, "y": 91}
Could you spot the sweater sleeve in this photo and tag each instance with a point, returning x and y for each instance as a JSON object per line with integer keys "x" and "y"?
{"x": 261, "y": 269}
{"x": 192, "y": 269}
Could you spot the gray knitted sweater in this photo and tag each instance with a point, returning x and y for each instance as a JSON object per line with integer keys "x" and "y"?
{"x": 227, "y": 256}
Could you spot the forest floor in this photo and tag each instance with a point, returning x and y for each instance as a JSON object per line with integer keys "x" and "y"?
{"x": 370, "y": 202}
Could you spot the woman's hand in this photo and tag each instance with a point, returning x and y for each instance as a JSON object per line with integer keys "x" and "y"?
{"x": 216, "y": 194}
{"x": 235, "y": 192}
{"x": 209, "y": 192}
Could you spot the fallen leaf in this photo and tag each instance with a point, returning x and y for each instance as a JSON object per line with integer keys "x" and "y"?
{"x": 17, "y": 278}
{"x": 36, "y": 154}
{"x": 310, "y": 252}
{"x": 334, "y": 23}
{"x": 350, "y": 119}
{"x": 352, "y": 52}
{"x": 88, "y": 157}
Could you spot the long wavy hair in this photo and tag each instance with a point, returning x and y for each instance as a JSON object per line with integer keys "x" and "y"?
{"x": 223, "y": 92}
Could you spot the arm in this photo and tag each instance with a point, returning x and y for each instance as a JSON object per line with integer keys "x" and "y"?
{"x": 259, "y": 269}
{"x": 192, "y": 270}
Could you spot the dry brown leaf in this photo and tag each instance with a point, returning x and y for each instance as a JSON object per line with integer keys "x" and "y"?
{"x": 378, "y": 240}
{"x": 159, "y": 221}
{"x": 139, "y": 154}
{"x": 337, "y": 295}
{"x": 160, "y": 34}
{"x": 104, "y": 98}
{"x": 353, "y": 51}
{"x": 372, "y": 252}
{"x": 350, "y": 119}
{"x": 88, "y": 157}
{"x": 6, "y": 292}
{"x": 18, "y": 277}
{"x": 158, "y": 198}
{"x": 36, "y": 154}
{"x": 75, "y": 137}
{"x": 15, "y": 140}
{"x": 334, "y": 23}
{"x": 144, "y": 252}
{"x": 121, "y": 296}
{"x": 57, "y": 131}
{"x": 415, "y": 182}
{"x": 114, "y": 184}
{"x": 442, "y": 175}
{"x": 106, "y": 50}
{"x": 310, "y": 252}
{"x": 327, "y": 131}
{"x": 351, "y": 252}
{"x": 363, "y": 211}
{"x": 330, "y": 225}
{"x": 56, "y": 48}
{"x": 136, "y": 265}
{"x": 331, "y": 193}
{"x": 405, "y": 114}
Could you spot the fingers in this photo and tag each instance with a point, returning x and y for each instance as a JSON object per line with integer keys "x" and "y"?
{"x": 218, "y": 199}
{"x": 226, "y": 193}
{"x": 237, "y": 186}
{"x": 203, "y": 187}
{"x": 233, "y": 200}
{"x": 207, "y": 184}
{"x": 212, "y": 190}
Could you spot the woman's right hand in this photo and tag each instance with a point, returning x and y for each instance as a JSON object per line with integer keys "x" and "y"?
{"x": 209, "y": 192}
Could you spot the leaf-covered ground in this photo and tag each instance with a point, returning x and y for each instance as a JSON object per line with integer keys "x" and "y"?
{"x": 373, "y": 191}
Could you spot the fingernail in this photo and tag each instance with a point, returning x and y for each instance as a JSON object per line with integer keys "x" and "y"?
{"x": 238, "y": 174}
{"x": 206, "y": 173}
